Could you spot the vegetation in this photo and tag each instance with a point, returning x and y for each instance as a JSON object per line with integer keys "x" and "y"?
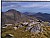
{"x": 21, "y": 33}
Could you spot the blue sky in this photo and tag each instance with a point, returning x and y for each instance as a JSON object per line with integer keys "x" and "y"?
{"x": 43, "y": 7}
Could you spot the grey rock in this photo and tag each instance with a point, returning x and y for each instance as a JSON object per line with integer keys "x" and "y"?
{"x": 37, "y": 29}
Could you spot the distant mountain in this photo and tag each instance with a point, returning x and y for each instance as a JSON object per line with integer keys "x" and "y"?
{"x": 42, "y": 16}
{"x": 39, "y": 15}
{"x": 14, "y": 16}
{"x": 28, "y": 13}
{"x": 10, "y": 16}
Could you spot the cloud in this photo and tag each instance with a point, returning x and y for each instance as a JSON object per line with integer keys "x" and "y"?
{"x": 32, "y": 5}
{"x": 26, "y": 6}
{"x": 37, "y": 5}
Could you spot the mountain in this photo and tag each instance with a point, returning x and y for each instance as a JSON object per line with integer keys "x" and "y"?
{"x": 39, "y": 15}
{"x": 10, "y": 16}
{"x": 28, "y": 13}
{"x": 42, "y": 16}
{"x": 14, "y": 16}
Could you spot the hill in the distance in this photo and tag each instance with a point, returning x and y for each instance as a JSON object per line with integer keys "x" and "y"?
{"x": 14, "y": 16}
{"x": 40, "y": 16}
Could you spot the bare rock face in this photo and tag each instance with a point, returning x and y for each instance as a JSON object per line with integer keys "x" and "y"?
{"x": 28, "y": 28}
{"x": 36, "y": 29}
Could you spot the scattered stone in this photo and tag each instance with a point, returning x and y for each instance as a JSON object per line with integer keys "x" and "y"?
{"x": 49, "y": 24}
{"x": 20, "y": 25}
{"x": 28, "y": 28}
{"x": 36, "y": 29}
{"x": 15, "y": 28}
{"x": 8, "y": 24}
{"x": 9, "y": 36}
{"x": 4, "y": 27}
{"x": 25, "y": 23}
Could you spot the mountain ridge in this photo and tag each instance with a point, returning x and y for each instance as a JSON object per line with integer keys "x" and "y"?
{"x": 14, "y": 16}
{"x": 40, "y": 16}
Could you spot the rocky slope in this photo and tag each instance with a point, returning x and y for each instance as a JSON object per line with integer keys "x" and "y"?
{"x": 28, "y": 26}
{"x": 14, "y": 16}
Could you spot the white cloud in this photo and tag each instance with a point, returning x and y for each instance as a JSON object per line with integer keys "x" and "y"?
{"x": 31, "y": 5}
{"x": 18, "y": 4}
{"x": 37, "y": 5}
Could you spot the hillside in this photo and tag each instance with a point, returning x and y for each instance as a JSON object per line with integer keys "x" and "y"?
{"x": 14, "y": 16}
{"x": 18, "y": 25}
{"x": 20, "y": 33}
{"x": 40, "y": 16}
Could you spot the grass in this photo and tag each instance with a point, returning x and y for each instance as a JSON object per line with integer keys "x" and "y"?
{"x": 20, "y": 33}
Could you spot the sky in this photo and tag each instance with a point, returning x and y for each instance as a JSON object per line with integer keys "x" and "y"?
{"x": 33, "y": 7}
{"x": 25, "y": 0}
